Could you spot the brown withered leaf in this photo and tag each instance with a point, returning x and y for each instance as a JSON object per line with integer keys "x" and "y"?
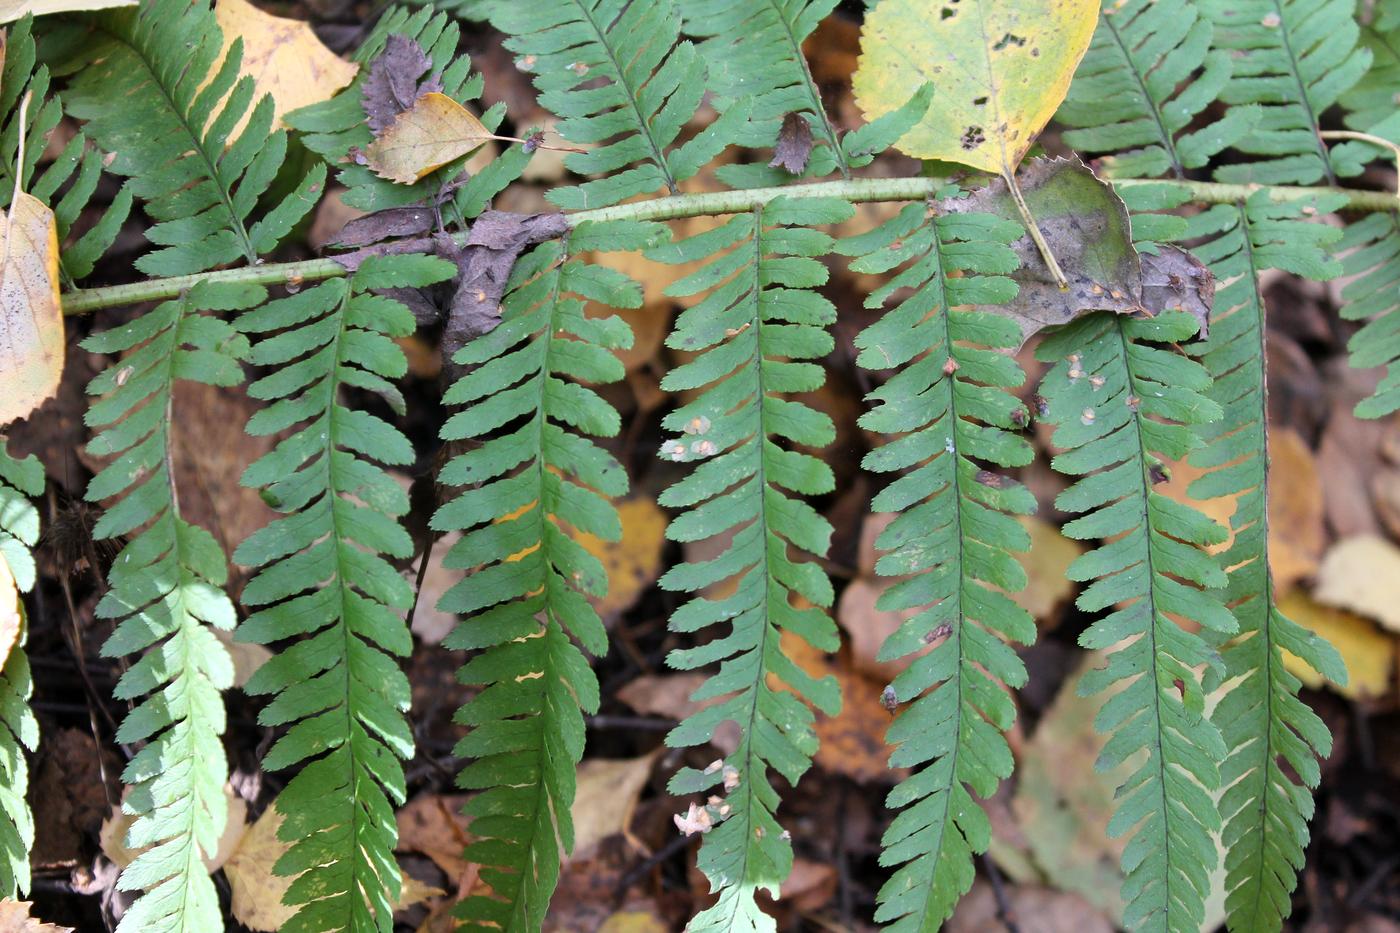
{"x": 393, "y": 84}
{"x": 384, "y": 225}
{"x": 496, "y": 240}
{"x": 1174, "y": 279}
{"x": 1086, "y": 225}
{"x": 794, "y": 146}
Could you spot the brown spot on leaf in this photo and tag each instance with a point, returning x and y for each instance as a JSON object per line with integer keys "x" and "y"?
{"x": 973, "y": 137}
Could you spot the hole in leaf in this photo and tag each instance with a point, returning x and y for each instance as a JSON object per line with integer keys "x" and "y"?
{"x": 1009, "y": 39}
{"x": 979, "y": 101}
{"x": 973, "y": 137}
{"x": 947, "y": 13}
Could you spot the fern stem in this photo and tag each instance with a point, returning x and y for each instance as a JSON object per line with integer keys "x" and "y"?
{"x": 85, "y": 300}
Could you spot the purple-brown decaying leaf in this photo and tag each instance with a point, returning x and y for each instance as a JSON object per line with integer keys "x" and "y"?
{"x": 385, "y": 225}
{"x": 392, "y": 84}
{"x": 1174, "y": 279}
{"x": 794, "y": 146}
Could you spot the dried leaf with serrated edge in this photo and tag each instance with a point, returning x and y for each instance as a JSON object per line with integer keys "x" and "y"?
{"x": 794, "y": 144}
{"x": 284, "y": 58}
{"x": 11, "y": 10}
{"x": 392, "y": 84}
{"x": 1000, "y": 68}
{"x": 31, "y": 319}
{"x": 14, "y": 918}
{"x": 425, "y": 137}
{"x": 1087, "y": 228}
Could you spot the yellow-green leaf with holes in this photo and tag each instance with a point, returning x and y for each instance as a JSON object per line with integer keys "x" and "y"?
{"x": 1001, "y": 69}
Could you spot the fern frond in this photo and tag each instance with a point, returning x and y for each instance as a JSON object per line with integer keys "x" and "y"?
{"x": 620, "y": 80}
{"x": 1370, "y": 248}
{"x": 952, "y": 540}
{"x": 754, "y": 50}
{"x": 1149, "y": 73}
{"x": 754, "y": 334}
{"x": 325, "y": 584}
{"x": 535, "y": 478}
{"x": 1372, "y": 98}
{"x": 165, "y": 592}
{"x": 76, "y": 162}
{"x": 1265, "y": 725}
{"x": 333, "y": 128}
{"x": 1121, "y": 397}
{"x": 1294, "y": 58}
{"x": 19, "y": 730}
{"x": 157, "y": 96}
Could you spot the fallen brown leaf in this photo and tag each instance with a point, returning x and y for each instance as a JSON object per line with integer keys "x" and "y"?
{"x": 607, "y": 794}
{"x": 15, "y": 918}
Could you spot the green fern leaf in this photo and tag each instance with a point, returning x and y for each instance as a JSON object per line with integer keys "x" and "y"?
{"x": 1372, "y": 99}
{"x": 1264, "y": 723}
{"x": 1150, "y": 72}
{"x": 165, "y": 594}
{"x": 19, "y": 730}
{"x": 617, "y": 75}
{"x": 333, "y": 128}
{"x": 953, "y": 538}
{"x": 755, "y": 333}
{"x": 534, "y": 478}
{"x": 324, "y": 581}
{"x": 1295, "y": 59}
{"x": 1371, "y": 260}
{"x": 1121, "y": 399}
{"x": 76, "y": 162}
{"x": 143, "y": 93}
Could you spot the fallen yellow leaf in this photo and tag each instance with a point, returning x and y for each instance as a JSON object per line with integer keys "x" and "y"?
{"x": 11, "y": 612}
{"x": 1368, "y": 652}
{"x": 1362, "y": 574}
{"x": 425, "y": 137}
{"x": 283, "y": 57}
{"x": 14, "y": 918}
{"x": 607, "y": 793}
{"x": 11, "y": 10}
{"x": 1000, "y": 70}
{"x": 111, "y": 836}
{"x": 31, "y": 319}
{"x": 634, "y": 562}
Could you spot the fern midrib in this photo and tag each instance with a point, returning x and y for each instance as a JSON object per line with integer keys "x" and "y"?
{"x": 235, "y": 222}
{"x": 818, "y": 109}
{"x": 1286, "y": 43}
{"x": 1267, "y": 616}
{"x": 643, "y": 124}
{"x": 1168, "y": 143}
{"x": 1151, "y": 597}
{"x": 333, "y": 493}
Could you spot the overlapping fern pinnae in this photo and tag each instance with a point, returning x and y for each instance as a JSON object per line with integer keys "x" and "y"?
{"x": 953, "y": 539}
{"x": 324, "y": 582}
{"x": 197, "y": 181}
{"x": 165, "y": 596}
{"x": 1372, "y": 99}
{"x": 755, "y": 333}
{"x": 534, "y": 477}
{"x": 1370, "y": 249}
{"x": 1148, "y": 74}
{"x": 1122, "y": 398}
{"x": 1265, "y": 725}
{"x": 617, "y": 75}
{"x": 19, "y": 730}
{"x": 76, "y": 162}
{"x": 333, "y": 128}
{"x": 1294, "y": 58}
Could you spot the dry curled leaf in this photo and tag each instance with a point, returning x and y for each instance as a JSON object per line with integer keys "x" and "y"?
{"x": 1001, "y": 69}
{"x": 284, "y": 58}
{"x": 794, "y": 146}
{"x": 31, "y": 318}
{"x": 434, "y": 131}
{"x": 393, "y": 82}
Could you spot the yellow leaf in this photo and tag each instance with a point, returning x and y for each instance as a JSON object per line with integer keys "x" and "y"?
{"x": 11, "y": 10}
{"x": 283, "y": 57}
{"x": 999, "y": 68}
{"x": 425, "y": 137}
{"x": 1368, "y": 652}
{"x": 633, "y": 563}
{"x": 1362, "y": 574}
{"x": 14, "y": 918}
{"x": 31, "y": 320}
{"x": 608, "y": 789}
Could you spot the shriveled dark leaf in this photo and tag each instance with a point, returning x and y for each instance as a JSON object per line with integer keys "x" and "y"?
{"x": 1173, "y": 278}
{"x": 1086, "y": 225}
{"x": 385, "y": 225}
{"x": 794, "y": 144}
{"x": 496, "y": 240}
{"x": 393, "y": 81}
